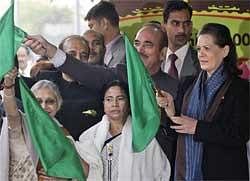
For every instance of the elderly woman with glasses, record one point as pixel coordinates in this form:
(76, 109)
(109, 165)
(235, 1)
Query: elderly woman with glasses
(23, 165)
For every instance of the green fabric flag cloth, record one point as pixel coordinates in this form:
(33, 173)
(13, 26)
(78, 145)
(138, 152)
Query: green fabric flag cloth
(57, 154)
(7, 39)
(144, 109)
(10, 38)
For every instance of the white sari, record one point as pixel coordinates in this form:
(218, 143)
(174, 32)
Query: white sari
(148, 165)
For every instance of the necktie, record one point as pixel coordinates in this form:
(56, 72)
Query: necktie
(172, 71)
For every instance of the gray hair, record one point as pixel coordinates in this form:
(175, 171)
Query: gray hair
(99, 35)
(49, 85)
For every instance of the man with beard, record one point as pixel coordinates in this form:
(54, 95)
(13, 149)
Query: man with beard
(96, 47)
(181, 59)
(149, 42)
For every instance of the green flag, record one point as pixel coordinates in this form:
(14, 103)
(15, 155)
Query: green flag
(10, 38)
(7, 41)
(144, 109)
(57, 154)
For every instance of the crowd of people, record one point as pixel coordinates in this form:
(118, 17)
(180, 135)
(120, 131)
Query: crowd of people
(82, 85)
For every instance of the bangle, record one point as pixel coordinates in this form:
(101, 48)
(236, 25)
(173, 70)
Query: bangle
(5, 95)
(8, 86)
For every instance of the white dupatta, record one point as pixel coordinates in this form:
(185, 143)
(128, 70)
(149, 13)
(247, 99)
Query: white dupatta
(150, 164)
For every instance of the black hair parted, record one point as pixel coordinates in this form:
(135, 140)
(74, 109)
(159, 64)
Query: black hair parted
(123, 85)
(175, 5)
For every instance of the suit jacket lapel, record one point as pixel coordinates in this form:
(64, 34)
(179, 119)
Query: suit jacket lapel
(113, 51)
(190, 63)
(109, 59)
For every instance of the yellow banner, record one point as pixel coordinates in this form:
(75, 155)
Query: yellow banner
(238, 22)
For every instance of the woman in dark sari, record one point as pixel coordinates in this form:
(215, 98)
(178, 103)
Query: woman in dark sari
(211, 113)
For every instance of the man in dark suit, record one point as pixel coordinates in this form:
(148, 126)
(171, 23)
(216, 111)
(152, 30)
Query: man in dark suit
(178, 25)
(104, 19)
(149, 42)
(82, 106)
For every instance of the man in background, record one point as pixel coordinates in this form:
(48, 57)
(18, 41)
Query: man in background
(181, 59)
(25, 62)
(96, 47)
(104, 19)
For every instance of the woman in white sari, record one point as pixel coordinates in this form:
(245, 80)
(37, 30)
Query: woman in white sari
(107, 146)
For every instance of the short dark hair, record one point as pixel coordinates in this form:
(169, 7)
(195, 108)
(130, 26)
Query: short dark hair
(222, 37)
(175, 5)
(155, 22)
(106, 10)
(123, 85)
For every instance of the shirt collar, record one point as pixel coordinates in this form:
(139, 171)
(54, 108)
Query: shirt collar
(180, 53)
(109, 45)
